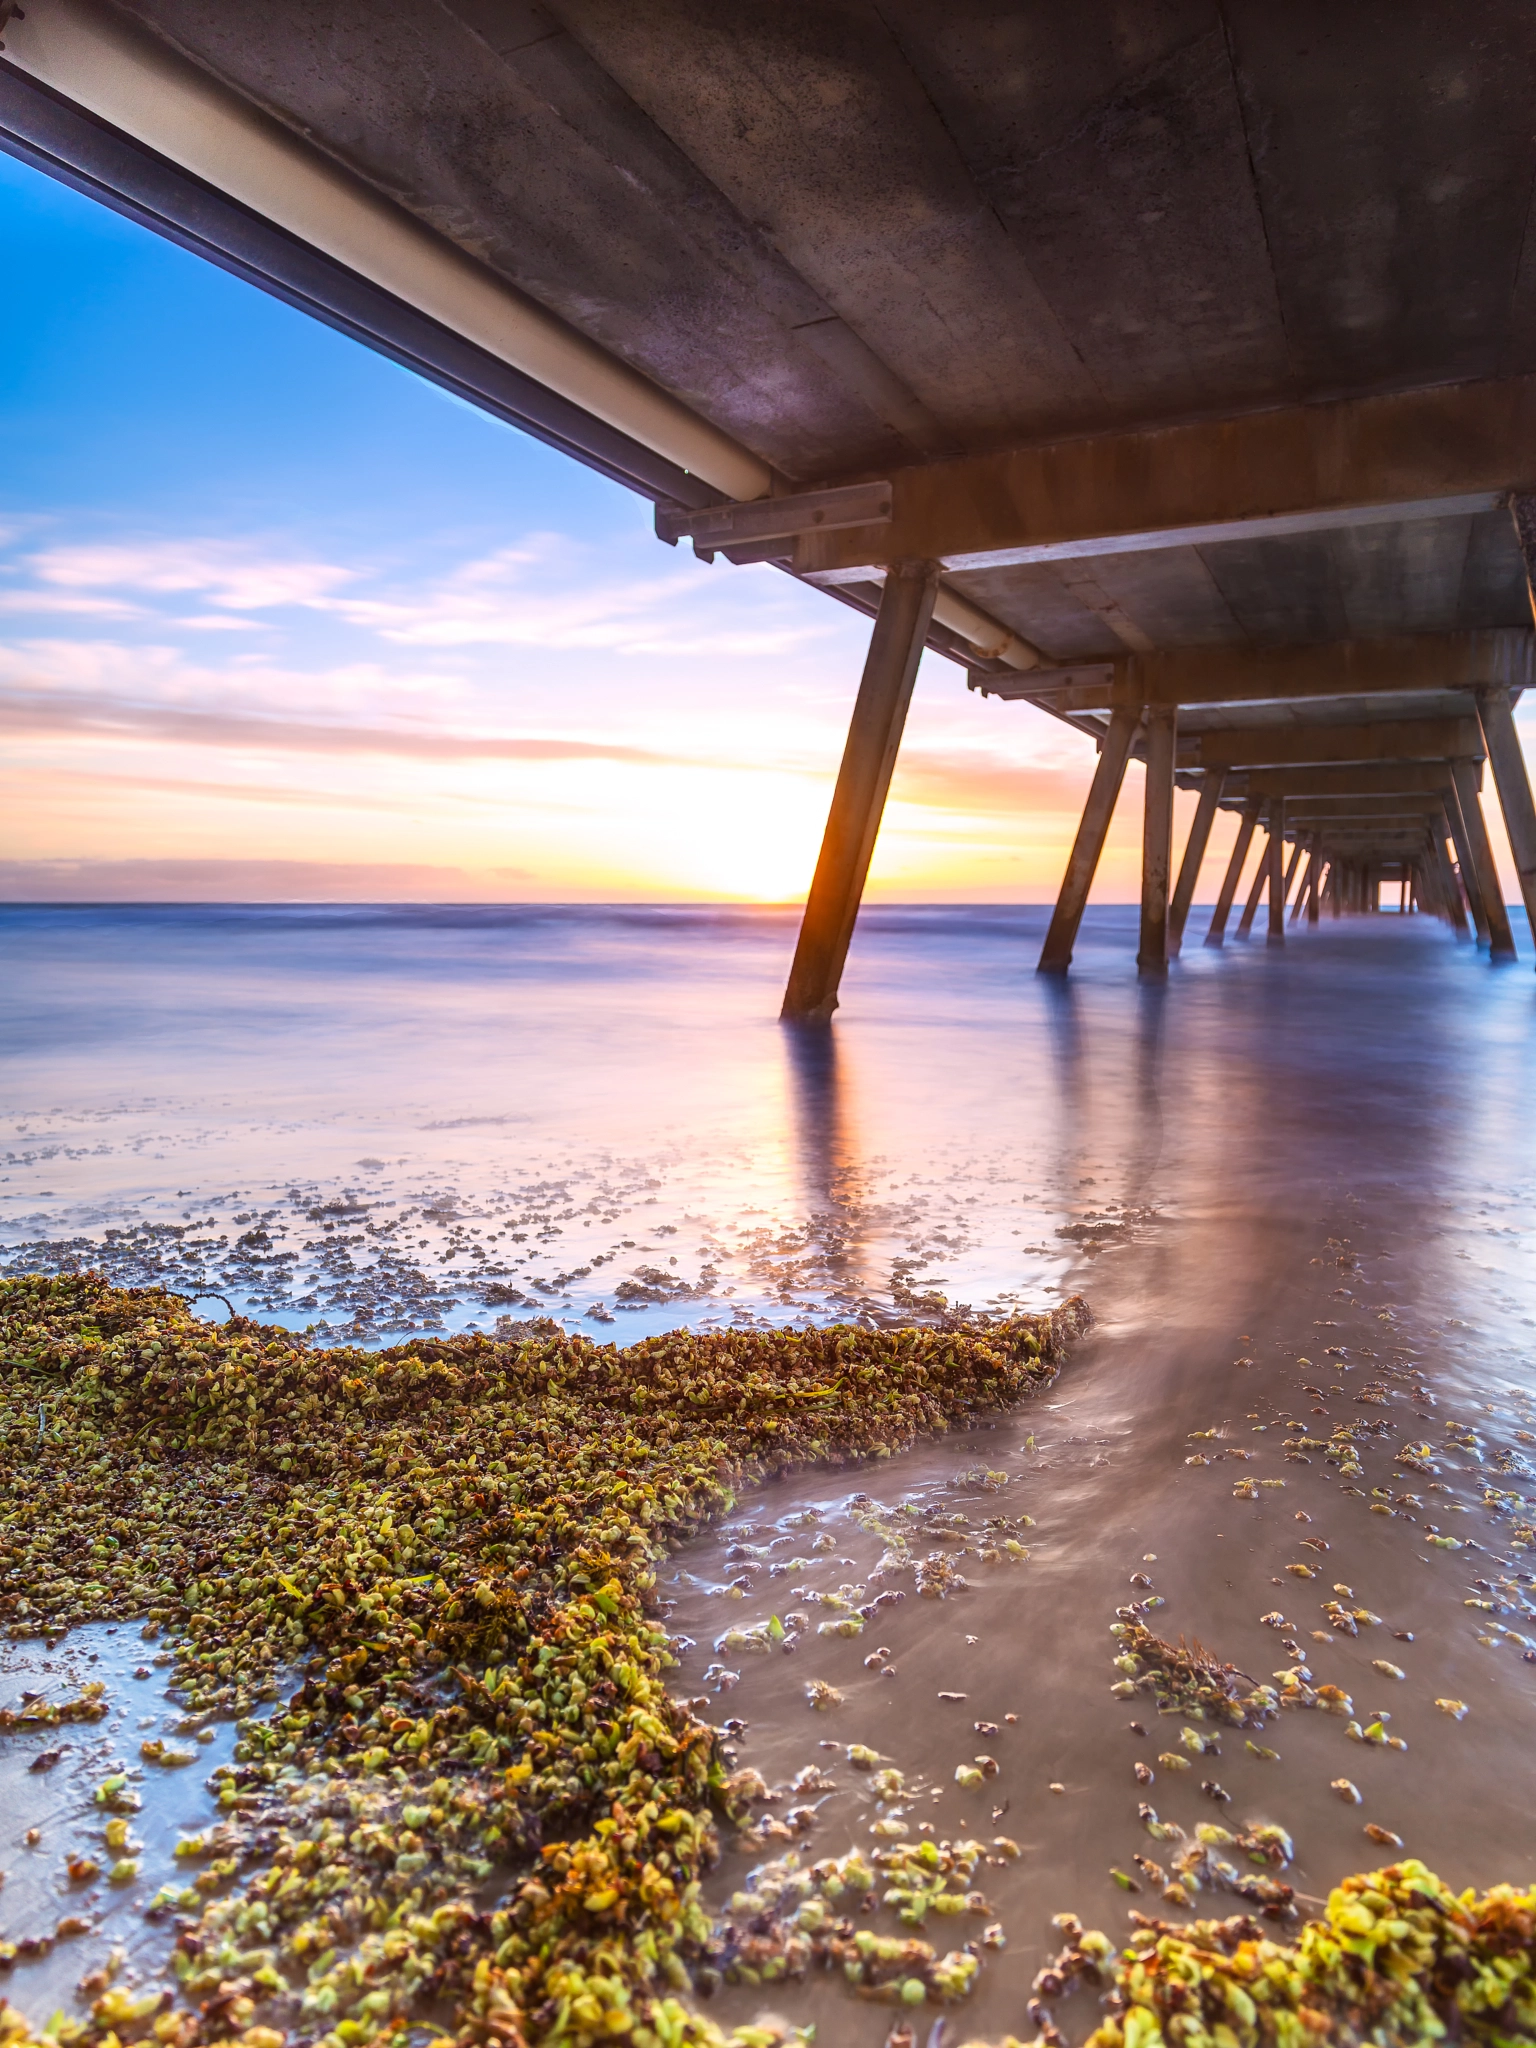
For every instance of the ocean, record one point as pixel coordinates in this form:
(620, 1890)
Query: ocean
(1294, 1186)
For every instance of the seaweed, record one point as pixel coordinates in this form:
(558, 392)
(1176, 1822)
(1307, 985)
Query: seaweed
(1397, 1956)
(1185, 1678)
(451, 1544)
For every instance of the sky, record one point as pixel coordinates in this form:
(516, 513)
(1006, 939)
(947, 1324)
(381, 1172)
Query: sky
(279, 620)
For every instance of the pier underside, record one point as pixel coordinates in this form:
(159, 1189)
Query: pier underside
(1176, 375)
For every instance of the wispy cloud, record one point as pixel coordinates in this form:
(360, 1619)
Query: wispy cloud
(253, 881)
(71, 603)
(538, 597)
(107, 717)
(985, 783)
(235, 574)
(544, 591)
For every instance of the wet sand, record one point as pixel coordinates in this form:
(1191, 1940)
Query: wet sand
(1323, 1156)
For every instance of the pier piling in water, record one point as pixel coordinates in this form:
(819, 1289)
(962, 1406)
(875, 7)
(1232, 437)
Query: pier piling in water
(863, 783)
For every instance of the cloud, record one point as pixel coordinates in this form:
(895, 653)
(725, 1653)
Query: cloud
(73, 603)
(516, 598)
(545, 590)
(102, 716)
(983, 783)
(48, 787)
(253, 881)
(235, 574)
(71, 703)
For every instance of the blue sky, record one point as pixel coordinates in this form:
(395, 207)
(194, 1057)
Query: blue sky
(279, 619)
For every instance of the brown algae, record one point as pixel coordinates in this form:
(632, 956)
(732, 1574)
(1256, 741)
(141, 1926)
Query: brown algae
(480, 1814)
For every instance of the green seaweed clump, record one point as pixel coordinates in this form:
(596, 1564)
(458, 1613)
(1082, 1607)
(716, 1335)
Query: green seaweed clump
(793, 1918)
(1397, 1958)
(479, 1815)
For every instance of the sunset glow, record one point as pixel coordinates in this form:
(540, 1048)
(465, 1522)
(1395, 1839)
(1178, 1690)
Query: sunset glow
(279, 620)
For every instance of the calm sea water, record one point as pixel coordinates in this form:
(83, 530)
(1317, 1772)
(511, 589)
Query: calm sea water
(1295, 1187)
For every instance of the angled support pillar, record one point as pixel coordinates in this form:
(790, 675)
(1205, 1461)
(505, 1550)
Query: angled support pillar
(1450, 894)
(1234, 874)
(1426, 883)
(1056, 953)
(1466, 868)
(1157, 840)
(1501, 940)
(1194, 853)
(1279, 874)
(1260, 877)
(1290, 870)
(1303, 886)
(1430, 884)
(863, 780)
(1513, 784)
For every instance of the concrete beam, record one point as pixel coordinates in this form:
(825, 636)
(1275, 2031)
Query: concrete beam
(1184, 677)
(1358, 836)
(723, 526)
(1451, 450)
(200, 163)
(1408, 739)
(1385, 778)
(1310, 809)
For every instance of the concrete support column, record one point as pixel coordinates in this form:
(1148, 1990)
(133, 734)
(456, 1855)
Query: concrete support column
(1279, 878)
(1260, 877)
(1304, 885)
(1457, 827)
(863, 780)
(1234, 874)
(1157, 840)
(1455, 908)
(1314, 889)
(1513, 784)
(1501, 940)
(1056, 953)
(1194, 853)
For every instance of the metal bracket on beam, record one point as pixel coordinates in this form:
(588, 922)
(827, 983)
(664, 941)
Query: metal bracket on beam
(762, 519)
(1064, 686)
